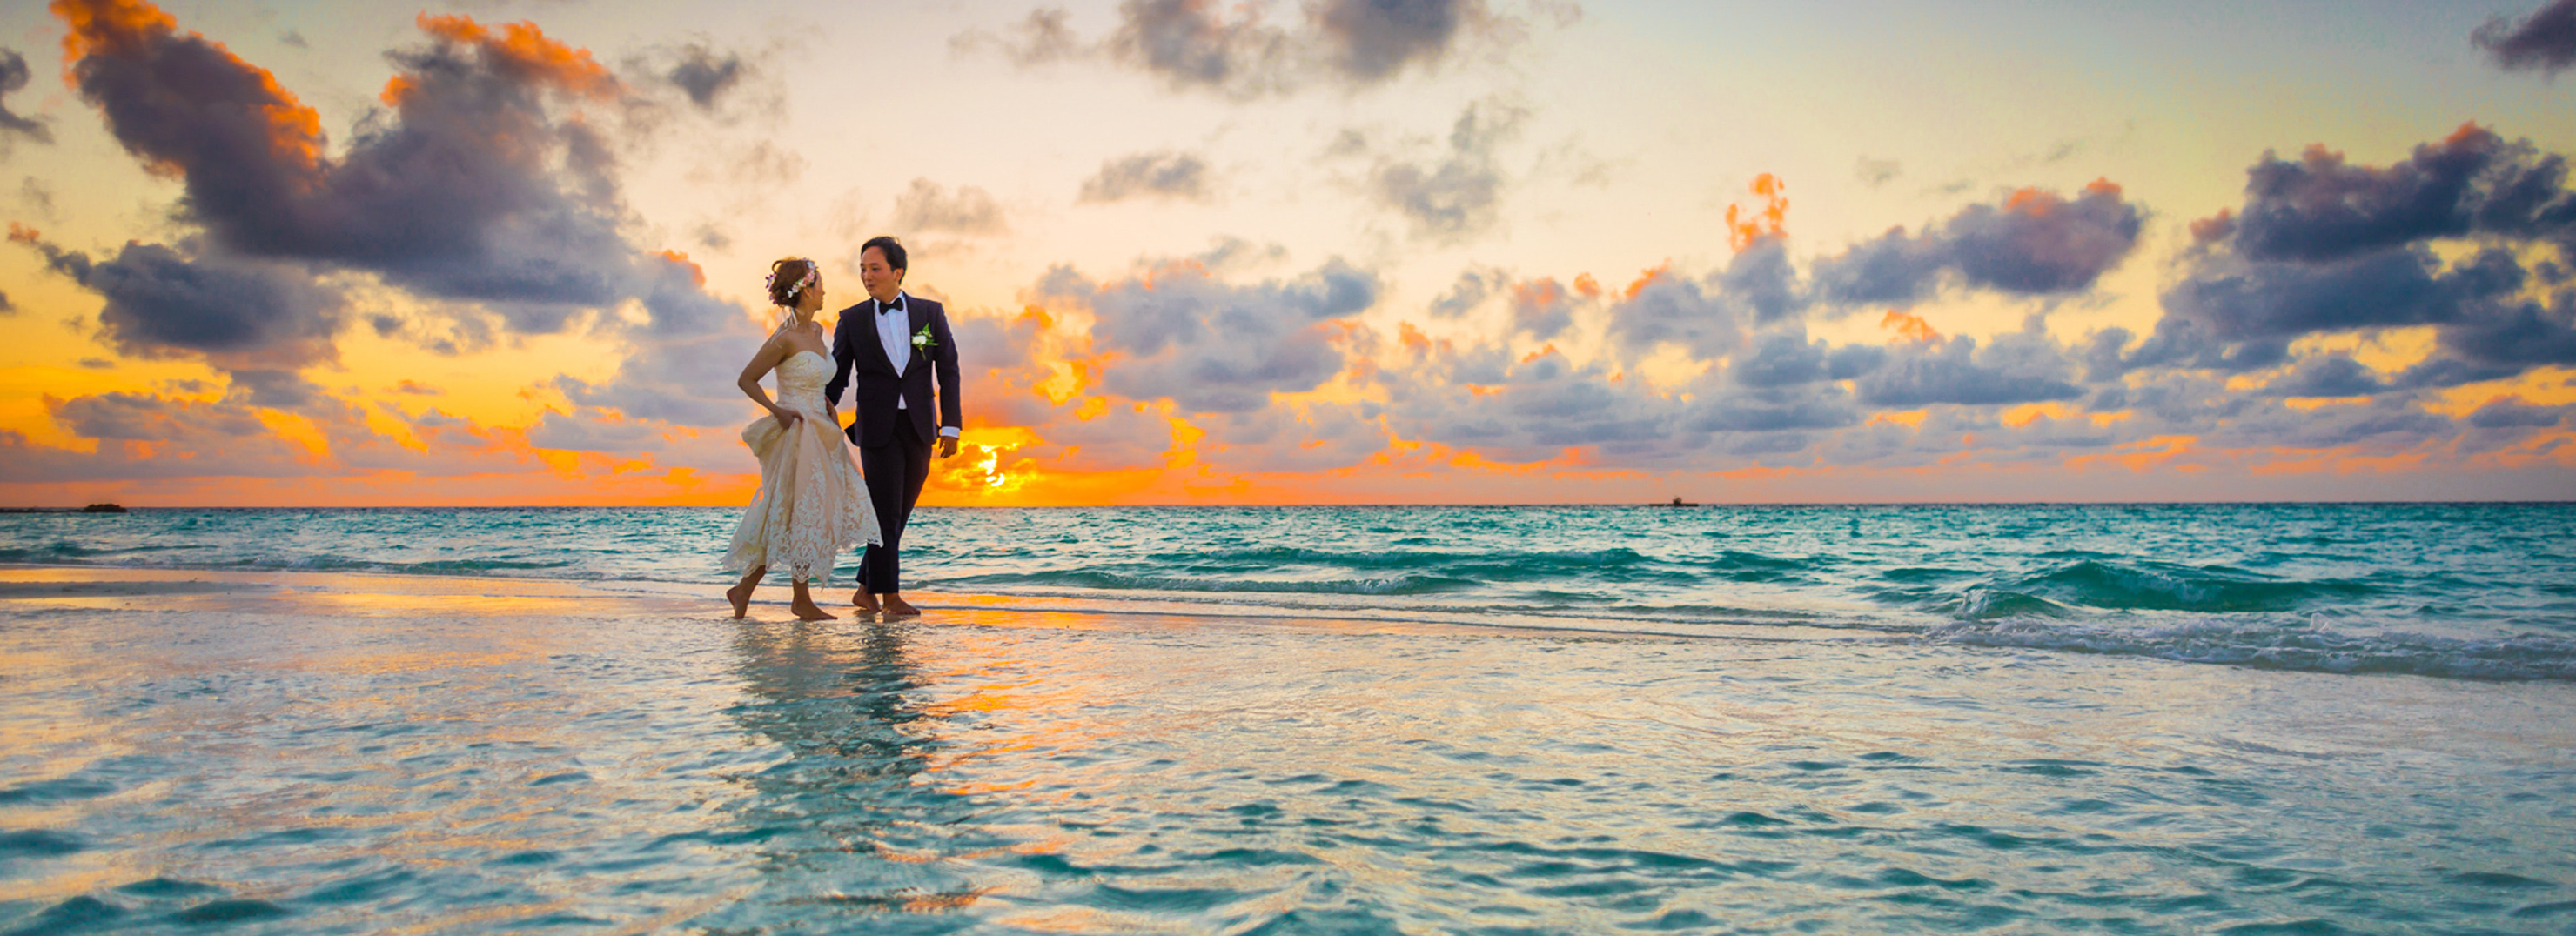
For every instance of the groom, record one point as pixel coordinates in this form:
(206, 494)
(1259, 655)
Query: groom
(886, 351)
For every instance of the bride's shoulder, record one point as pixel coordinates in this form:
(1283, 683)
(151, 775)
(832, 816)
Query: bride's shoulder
(783, 342)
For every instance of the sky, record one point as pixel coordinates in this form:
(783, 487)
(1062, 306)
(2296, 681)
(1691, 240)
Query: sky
(1303, 251)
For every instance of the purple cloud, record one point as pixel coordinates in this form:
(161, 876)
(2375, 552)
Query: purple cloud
(2544, 42)
(2034, 243)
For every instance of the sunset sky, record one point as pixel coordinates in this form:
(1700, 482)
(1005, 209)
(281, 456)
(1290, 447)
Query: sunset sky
(1307, 251)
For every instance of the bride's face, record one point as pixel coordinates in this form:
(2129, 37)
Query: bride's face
(811, 299)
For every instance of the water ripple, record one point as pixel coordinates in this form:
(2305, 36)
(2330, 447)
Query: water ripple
(637, 772)
(2411, 588)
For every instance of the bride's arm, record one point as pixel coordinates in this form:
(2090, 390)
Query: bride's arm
(770, 354)
(840, 373)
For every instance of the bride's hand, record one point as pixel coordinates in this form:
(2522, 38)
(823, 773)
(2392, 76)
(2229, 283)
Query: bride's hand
(786, 417)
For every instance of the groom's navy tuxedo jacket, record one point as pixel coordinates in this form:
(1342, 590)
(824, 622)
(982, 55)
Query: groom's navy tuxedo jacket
(860, 364)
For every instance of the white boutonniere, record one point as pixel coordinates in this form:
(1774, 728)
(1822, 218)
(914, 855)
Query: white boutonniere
(921, 339)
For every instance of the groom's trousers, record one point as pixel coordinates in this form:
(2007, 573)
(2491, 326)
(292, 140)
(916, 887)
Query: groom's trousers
(894, 473)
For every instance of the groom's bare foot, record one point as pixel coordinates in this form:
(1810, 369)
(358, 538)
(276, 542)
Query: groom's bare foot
(866, 602)
(896, 607)
(806, 611)
(740, 595)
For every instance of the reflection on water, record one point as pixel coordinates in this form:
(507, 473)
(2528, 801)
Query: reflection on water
(566, 765)
(2477, 591)
(848, 822)
(291, 772)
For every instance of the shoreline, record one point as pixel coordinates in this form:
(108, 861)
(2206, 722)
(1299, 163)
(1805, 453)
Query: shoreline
(327, 593)
(2468, 592)
(353, 752)
(1376, 505)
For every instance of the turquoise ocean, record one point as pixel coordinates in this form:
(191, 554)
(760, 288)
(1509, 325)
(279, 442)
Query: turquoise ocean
(2455, 590)
(2232, 718)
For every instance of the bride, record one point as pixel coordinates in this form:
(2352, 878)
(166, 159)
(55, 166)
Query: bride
(811, 504)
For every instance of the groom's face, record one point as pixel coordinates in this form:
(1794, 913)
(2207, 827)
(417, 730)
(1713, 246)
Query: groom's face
(881, 280)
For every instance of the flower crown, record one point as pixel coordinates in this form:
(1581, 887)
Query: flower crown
(771, 282)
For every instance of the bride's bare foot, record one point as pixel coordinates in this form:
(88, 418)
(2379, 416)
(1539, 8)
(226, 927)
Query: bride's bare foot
(866, 602)
(740, 593)
(896, 607)
(804, 606)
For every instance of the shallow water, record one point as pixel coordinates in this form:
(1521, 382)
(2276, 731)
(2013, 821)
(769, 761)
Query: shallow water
(2481, 591)
(333, 753)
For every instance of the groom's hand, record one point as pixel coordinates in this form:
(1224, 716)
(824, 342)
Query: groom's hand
(947, 446)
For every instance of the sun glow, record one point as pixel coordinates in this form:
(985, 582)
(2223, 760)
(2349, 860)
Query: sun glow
(985, 470)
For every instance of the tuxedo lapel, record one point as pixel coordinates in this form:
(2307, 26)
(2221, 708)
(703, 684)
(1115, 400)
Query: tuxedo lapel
(911, 325)
(876, 339)
(856, 337)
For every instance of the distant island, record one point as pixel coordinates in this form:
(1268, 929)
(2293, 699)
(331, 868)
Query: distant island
(93, 508)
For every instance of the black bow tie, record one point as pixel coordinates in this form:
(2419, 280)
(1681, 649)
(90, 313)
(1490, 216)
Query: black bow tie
(895, 306)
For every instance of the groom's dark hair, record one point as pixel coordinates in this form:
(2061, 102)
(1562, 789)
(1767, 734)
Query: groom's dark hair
(886, 244)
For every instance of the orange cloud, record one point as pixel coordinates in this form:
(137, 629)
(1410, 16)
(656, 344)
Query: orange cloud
(2035, 203)
(299, 430)
(1412, 338)
(2215, 227)
(137, 29)
(388, 487)
(1647, 278)
(523, 49)
(2546, 448)
(2345, 461)
(1185, 442)
(1429, 459)
(1743, 227)
(992, 468)
(113, 27)
(2144, 454)
(697, 274)
(1538, 292)
(2028, 413)
(1909, 327)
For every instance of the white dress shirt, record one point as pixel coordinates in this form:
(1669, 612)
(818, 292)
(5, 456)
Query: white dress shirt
(892, 330)
(893, 323)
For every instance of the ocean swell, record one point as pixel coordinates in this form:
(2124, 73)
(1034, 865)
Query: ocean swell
(2151, 585)
(1098, 580)
(2484, 591)
(2269, 643)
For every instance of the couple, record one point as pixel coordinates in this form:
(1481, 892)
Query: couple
(810, 504)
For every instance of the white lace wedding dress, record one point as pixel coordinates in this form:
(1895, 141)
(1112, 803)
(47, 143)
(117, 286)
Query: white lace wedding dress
(811, 503)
